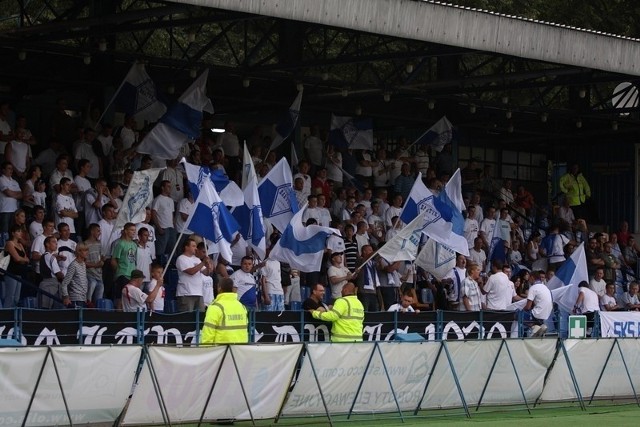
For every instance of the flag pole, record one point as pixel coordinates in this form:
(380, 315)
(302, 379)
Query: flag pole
(173, 251)
(115, 94)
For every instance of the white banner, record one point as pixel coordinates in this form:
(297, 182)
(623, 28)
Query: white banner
(620, 324)
(185, 377)
(587, 359)
(266, 372)
(20, 368)
(95, 380)
(407, 364)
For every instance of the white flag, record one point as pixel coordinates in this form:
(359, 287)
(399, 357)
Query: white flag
(139, 196)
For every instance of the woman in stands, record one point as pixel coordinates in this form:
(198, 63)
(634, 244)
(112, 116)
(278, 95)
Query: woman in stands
(18, 266)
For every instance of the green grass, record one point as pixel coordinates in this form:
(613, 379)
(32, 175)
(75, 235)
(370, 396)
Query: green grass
(599, 413)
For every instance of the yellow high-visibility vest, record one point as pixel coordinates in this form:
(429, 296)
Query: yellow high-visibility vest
(226, 321)
(347, 317)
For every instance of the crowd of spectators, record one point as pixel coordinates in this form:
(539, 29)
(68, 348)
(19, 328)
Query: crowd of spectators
(58, 210)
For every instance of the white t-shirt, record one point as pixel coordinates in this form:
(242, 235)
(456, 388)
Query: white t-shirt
(35, 229)
(590, 302)
(542, 301)
(158, 303)
(164, 207)
(471, 229)
(92, 214)
(144, 258)
(8, 204)
(336, 288)
(398, 307)
(133, 299)
(85, 151)
(65, 202)
(243, 281)
(271, 273)
(207, 289)
(499, 291)
(66, 248)
(20, 152)
(188, 284)
(184, 207)
(598, 286)
(83, 186)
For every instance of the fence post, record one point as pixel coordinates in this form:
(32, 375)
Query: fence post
(80, 323)
(439, 326)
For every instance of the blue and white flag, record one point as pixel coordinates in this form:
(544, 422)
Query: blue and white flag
(404, 245)
(302, 247)
(287, 125)
(438, 135)
(347, 132)
(436, 258)
(497, 251)
(443, 220)
(248, 168)
(139, 196)
(564, 285)
(228, 190)
(211, 219)
(249, 216)
(277, 197)
(181, 122)
(137, 95)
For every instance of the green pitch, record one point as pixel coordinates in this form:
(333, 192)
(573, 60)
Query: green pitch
(597, 414)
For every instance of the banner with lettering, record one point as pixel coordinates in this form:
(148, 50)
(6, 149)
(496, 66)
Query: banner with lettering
(63, 327)
(620, 324)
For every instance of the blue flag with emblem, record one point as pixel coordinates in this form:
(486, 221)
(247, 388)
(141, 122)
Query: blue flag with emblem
(249, 216)
(180, 123)
(302, 247)
(286, 126)
(211, 219)
(137, 95)
(277, 197)
(442, 212)
(347, 132)
(438, 135)
(229, 191)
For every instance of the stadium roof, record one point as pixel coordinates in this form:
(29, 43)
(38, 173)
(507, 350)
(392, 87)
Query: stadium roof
(404, 62)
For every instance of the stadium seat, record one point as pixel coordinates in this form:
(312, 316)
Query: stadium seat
(295, 305)
(30, 302)
(104, 304)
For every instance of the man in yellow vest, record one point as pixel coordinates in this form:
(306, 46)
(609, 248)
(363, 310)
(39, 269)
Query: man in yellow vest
(346, 315)
(576, 190)
(226, 320)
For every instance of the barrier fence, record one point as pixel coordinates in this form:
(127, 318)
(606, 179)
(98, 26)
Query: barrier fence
(90, 326)
(54, 385)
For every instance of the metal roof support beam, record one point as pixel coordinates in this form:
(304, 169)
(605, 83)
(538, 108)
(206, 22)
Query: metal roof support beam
(455, 26)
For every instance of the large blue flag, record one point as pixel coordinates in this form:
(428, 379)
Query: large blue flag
(302, 247)
(181, 122)
(443, 220)
(287, 125)
(347, 132)
(438, 135)
(277, 197)
(137, 95)
(249, 216)
(228, 190)
(211, 219)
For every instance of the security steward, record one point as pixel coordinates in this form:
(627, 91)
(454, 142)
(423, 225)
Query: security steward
(226, 320)
(346, 315)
